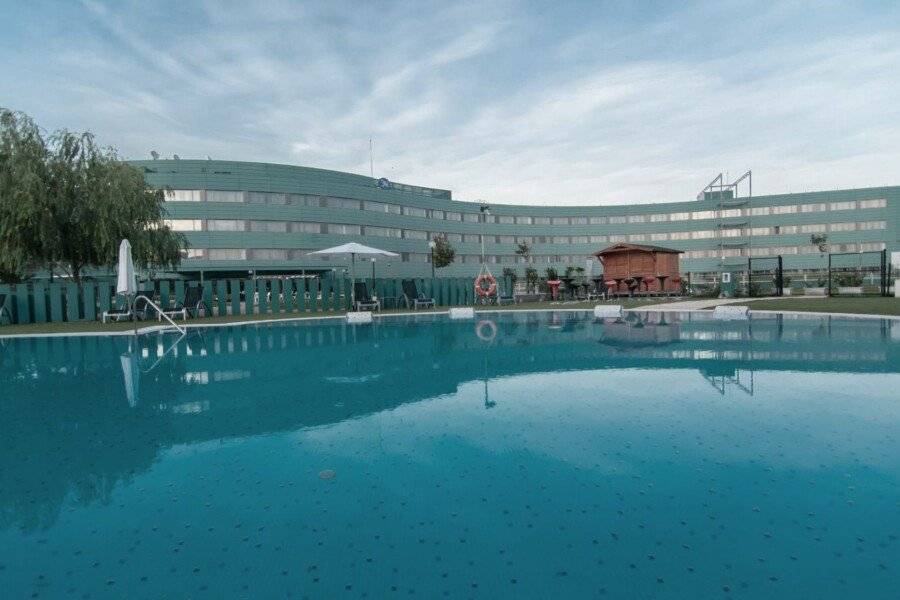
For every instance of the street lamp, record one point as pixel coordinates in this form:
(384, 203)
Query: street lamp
(431, 246)
(373, 271)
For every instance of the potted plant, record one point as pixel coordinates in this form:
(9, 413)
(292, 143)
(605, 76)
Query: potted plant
(785, 285)
(818, 289)
(850, 283)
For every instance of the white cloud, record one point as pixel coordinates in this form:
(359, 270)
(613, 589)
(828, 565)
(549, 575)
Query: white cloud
(495, 102)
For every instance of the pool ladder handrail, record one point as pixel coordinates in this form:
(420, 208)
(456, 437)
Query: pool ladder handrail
(159, 311)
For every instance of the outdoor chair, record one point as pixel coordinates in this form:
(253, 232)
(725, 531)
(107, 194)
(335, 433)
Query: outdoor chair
(119, 313)
(363, 301)
(193, 300)
(505, 298)
(4, 310)
(413, 297)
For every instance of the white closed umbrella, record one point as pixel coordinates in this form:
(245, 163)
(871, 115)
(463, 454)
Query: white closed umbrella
(126, 280)
(353, 249)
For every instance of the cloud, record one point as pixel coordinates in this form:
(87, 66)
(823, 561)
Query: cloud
(582, 105)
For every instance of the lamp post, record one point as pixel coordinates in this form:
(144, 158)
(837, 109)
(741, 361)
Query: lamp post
(431, 246)
(373, 271)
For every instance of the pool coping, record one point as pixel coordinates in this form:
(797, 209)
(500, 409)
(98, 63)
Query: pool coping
(492, 311)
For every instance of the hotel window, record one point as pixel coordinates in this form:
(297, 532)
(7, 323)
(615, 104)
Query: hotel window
(560, 239)
(848, 205)
(784, 210)
(269, 226)
(579, 220)
(759, 251)
(506, 219)
(817, 228)
(760, 211)
(184, 196)
(374, 206)
(599, 239)
(344, 229)
(871, 247)
(727, 233)
(193, 253)
(732, 252)
(184, 224)
(703, 234)
(761, 231)
(559, 221)
(541, 220)
(383, 231)
(219, 196)
(453, 237)
(579, 239)
(506, 239)
(471, 217)
(617, 220)
(776, 250)
(842, 227)
(225, 225)
(866, 225)
(540, 239)
(412, 234)
(226, 254)
(659, 218)
(617, 238)
(818, 207)
(679, 216)
(731, 212)
(880, 203)
(785, 229)
(598, 220)
(658, 237)
(523, 220)
(298, 227)
(703, 214)
(637, 219)
(637, 237)
(680, 235)
(268, 254)
(471, 238)
(413, 211)
(452, 216)
(343, 203)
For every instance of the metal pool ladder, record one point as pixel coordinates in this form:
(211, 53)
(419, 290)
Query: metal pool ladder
(160, 312)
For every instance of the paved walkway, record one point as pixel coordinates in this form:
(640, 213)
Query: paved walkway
(708, 303)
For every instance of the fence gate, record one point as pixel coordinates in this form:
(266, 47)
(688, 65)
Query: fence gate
(765, 276)
(858, 273)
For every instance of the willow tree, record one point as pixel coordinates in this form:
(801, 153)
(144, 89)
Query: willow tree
(23, 194)
(78, 201)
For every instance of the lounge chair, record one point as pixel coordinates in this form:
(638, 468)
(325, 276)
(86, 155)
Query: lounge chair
(118, 313)
(413, 297)
(4, 310)
(362, 299)
(507, 298)
(193, 300)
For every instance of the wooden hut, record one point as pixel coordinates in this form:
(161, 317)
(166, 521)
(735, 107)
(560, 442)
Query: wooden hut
(636, 268)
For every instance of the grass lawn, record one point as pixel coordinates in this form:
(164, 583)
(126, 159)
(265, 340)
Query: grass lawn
(97, 327)
(860, 306)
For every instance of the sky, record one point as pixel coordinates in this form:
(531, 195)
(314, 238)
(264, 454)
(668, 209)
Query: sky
(543, 103)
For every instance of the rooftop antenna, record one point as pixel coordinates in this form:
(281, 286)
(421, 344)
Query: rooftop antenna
(154, 154)
(371, 160)
(176, 157)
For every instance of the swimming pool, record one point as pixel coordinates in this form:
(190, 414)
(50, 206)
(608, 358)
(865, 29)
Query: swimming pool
(533, 455)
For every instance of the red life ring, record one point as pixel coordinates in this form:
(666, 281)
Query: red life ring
(491, 288)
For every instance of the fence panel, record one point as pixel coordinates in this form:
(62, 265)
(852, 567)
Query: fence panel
(288, 290)
(104, 293)
(222, 296)
(234, 297)
(165, 295)
(40, 303)
(249, 297)
(90, 302)
(73, 312)
(56, 302)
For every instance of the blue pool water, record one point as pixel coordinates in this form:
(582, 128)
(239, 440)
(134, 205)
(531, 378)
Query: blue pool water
(551, 456)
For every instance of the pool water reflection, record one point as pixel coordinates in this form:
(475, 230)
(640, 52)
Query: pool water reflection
(661, 455)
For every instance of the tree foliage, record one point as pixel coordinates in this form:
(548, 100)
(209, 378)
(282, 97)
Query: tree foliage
(66, 203)
(444, 252)
(820, 240)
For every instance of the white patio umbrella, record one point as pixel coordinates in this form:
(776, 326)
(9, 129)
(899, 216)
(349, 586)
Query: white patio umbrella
(353, 249)
(126, 281)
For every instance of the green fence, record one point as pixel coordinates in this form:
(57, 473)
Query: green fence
(44, 302)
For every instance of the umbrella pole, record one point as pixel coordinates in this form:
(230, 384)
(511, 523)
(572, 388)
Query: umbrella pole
(352, 280)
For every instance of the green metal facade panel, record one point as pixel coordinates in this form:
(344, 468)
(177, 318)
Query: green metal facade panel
(259, 177)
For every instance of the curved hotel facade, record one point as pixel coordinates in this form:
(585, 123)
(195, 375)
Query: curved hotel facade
(243, 217)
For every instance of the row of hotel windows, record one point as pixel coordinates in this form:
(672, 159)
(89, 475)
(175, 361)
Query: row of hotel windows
(419, 257)
(478, 217)
(393, 232)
